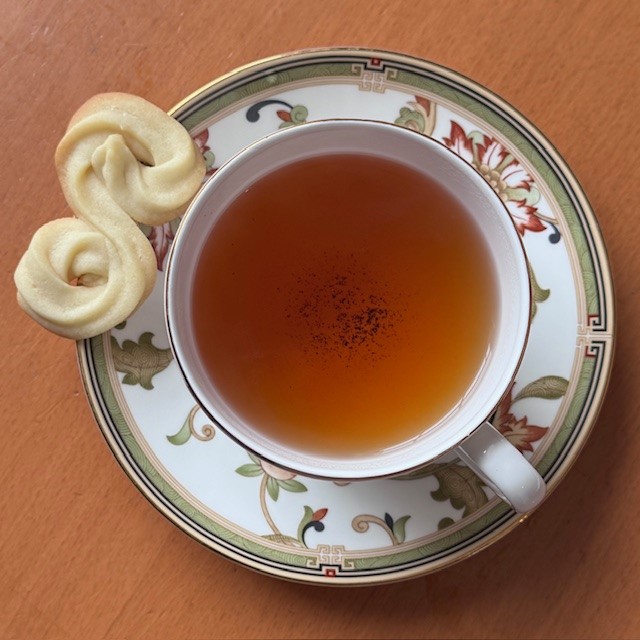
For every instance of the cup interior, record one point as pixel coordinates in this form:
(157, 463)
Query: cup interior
(405, 147)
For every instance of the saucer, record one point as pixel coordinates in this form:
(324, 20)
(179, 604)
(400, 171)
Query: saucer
(374, 531)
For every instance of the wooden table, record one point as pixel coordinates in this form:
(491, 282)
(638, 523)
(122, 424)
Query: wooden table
(83, 555)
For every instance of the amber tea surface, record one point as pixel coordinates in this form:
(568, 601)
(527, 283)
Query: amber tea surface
(344, 303)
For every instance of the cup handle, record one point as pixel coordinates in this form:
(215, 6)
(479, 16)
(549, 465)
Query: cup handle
(498, 463)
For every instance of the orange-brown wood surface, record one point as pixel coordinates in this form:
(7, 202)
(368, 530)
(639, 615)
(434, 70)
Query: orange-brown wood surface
(83, 554)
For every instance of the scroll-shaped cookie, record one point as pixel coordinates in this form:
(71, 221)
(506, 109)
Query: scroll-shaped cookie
(121, 160)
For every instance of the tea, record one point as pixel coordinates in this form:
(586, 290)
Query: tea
(344, 303)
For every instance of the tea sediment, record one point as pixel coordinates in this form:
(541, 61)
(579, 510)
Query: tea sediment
(344, 303)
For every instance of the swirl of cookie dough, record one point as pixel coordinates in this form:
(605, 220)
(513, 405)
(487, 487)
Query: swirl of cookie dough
(121, 161)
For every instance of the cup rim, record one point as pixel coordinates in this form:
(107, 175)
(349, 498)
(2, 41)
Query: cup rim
(191, 212)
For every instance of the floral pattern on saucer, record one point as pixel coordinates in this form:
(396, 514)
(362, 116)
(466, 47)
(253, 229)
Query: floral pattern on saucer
(383, 530)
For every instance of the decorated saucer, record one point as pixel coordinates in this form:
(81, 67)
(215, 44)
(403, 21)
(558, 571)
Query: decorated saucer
(376, 531)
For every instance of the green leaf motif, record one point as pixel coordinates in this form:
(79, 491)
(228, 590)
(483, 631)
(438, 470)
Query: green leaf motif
(182, 436)
(273, 488)
(529, 195)
(140, 361)
(461, 486)
(249, 470)
(546, 387)
(292, 485)
(476, 137)
(209, 159)
(445, 522)
(299, 114)
(411, 119)
(306, 519)
(399, 528)
(537, 292)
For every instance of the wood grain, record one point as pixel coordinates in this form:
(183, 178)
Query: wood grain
(83, 555)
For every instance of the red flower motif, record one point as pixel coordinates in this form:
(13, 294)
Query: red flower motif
(524, 216)
(459, 142)
(502, 171)
(517, 431)
(201, 141)
(160, 239)
(319, 514)
(425, 104)
(276, 472)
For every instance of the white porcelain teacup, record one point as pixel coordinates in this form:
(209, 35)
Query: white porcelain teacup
(465, 428)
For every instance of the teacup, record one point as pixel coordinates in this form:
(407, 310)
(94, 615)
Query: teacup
(207, 231)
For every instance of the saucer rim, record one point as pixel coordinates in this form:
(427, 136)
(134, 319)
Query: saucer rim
(502, 526)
